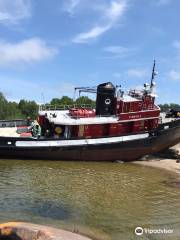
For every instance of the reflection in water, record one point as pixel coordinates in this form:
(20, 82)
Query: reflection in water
(106, 200)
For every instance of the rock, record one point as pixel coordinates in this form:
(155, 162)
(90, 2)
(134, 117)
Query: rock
(119, 161)
(28, 231)
(168, 153)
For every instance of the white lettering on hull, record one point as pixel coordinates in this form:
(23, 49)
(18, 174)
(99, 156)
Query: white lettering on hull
(62, 143)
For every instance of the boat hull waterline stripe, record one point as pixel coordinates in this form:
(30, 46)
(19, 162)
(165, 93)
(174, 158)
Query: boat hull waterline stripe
(61, 143)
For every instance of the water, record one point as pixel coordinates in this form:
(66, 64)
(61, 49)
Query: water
(103, 200)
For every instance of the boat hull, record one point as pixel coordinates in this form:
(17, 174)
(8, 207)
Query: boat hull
(164, 137)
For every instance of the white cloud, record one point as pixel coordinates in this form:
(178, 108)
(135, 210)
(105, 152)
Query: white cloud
(93, 33)
(163, 2)
(110, 14)
(12, 11)
(138, 73)
(174, 75)
(116, 10)
(27, 51)
(119, 51)
(176, 44)
(70, 6)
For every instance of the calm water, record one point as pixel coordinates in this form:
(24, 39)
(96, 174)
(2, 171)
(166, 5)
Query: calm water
(105, 200)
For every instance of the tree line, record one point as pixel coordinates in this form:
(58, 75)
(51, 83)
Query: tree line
(23, 109)
(13, 110)
(165, 107)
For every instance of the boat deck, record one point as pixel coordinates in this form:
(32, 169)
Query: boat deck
(12, 131)
(166, 120)
(9, 132)
(63, 117)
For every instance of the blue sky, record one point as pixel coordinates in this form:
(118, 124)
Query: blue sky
(49, 47)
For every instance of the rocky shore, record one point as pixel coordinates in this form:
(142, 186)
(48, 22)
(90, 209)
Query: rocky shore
(168, 159)
(29, 231)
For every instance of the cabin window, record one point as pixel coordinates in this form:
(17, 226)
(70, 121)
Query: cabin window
(12, 124)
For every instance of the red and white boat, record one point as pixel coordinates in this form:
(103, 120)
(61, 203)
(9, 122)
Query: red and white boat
(122, 126)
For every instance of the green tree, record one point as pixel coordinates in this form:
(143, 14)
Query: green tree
(28, 108)
(55, 101)
(3, 106)
(165, 107)
(2, 98)
(174, 105)
(13, 111)
(65, 100)
(85, 100)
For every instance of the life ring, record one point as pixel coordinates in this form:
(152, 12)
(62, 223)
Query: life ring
(108, 101)
(58, 130)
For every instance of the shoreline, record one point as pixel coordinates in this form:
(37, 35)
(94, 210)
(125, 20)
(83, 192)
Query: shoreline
(167, 163)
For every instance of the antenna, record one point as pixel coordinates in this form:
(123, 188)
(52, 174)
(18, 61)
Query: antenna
(154, 73)
(152, 90)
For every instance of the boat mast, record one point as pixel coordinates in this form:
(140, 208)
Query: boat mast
(154, 73)
(153, 84)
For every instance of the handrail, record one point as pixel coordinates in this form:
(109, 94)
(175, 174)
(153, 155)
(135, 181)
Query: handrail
(48, 107)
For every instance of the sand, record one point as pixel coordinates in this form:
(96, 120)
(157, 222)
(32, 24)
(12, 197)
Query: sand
(167, 163)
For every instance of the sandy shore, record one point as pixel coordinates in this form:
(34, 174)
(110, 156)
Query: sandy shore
(167, 163)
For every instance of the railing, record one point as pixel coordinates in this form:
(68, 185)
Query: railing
(48, 107)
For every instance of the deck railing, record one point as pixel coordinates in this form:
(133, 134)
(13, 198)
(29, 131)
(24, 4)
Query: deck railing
(47, 107)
